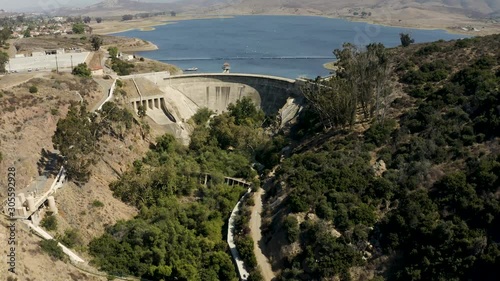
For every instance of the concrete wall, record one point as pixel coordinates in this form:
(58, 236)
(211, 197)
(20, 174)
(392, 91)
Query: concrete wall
(217, 91)
(46, 62)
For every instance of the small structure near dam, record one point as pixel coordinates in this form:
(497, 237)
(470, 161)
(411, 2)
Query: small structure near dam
(170, 101)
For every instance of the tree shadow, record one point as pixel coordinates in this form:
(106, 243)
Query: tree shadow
(49, 163)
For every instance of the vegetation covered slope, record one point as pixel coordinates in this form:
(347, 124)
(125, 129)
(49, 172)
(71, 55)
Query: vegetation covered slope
(395, 176)
(179, 233)
(433, 212)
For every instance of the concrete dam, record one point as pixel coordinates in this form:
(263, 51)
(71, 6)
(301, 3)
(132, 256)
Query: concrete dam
(170, 101)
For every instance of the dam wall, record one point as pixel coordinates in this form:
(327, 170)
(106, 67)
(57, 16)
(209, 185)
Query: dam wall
(217, 91)
(170, 101)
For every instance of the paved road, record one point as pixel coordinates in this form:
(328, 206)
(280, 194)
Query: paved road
(256, 232)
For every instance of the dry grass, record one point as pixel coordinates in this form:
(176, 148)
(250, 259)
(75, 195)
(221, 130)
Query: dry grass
(148, 65)
(27, 123)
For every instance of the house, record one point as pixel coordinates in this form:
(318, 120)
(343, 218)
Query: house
(97, 71)
(126, 57)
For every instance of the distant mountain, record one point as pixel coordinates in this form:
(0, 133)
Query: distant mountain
(474, 8)
(469, 8)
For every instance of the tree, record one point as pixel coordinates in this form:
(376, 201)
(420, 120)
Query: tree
(333, 101)
(113, 52)
(78, 28)
(127, 17)
(406, 39)
(173, 13)
(112, 118)
(246, 113)
(82, 70)
(96, 42)
(98, 19)
(76, 138)
(86, 19)
(141, 111)
(5, 34)
(4, 58)
(367, 73)
(27, 33)
(202, 116)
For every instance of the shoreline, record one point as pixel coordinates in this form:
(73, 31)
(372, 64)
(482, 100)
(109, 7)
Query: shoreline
(140, 28)
(151, 25)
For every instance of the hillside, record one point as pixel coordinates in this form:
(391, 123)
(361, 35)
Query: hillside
(469, 7)
(474, 8)
(413, 197)
(28, 124)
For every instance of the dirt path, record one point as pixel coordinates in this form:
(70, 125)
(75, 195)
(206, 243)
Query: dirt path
(255, 224)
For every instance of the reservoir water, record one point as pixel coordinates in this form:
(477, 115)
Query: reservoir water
(287, 46)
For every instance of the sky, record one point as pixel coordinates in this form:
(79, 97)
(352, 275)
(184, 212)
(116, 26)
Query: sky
(43, 5)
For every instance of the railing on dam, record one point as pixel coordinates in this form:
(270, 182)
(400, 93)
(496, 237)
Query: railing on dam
(242, 75)
(205, 179)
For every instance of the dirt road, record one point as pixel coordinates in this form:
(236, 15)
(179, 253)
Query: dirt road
(255, 224)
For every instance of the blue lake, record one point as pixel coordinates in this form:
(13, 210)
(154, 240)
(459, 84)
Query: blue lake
(287, 46)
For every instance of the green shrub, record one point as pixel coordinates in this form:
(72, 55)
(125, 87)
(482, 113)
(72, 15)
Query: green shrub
(51, 247)
(121, 67)
(33, 89)
(380, 133)
(49, 222)
(82, 70)
(427, 50)
(413, 77)
(78, 28)
(291, 226)
(250, 202)
(71, 238)
(255, 275)
(97, 203)
(245, 248)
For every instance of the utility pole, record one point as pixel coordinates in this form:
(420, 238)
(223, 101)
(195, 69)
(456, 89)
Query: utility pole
(57, 65)
(71, 62)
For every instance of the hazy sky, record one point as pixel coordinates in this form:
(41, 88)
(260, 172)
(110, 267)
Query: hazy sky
(41, 5)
